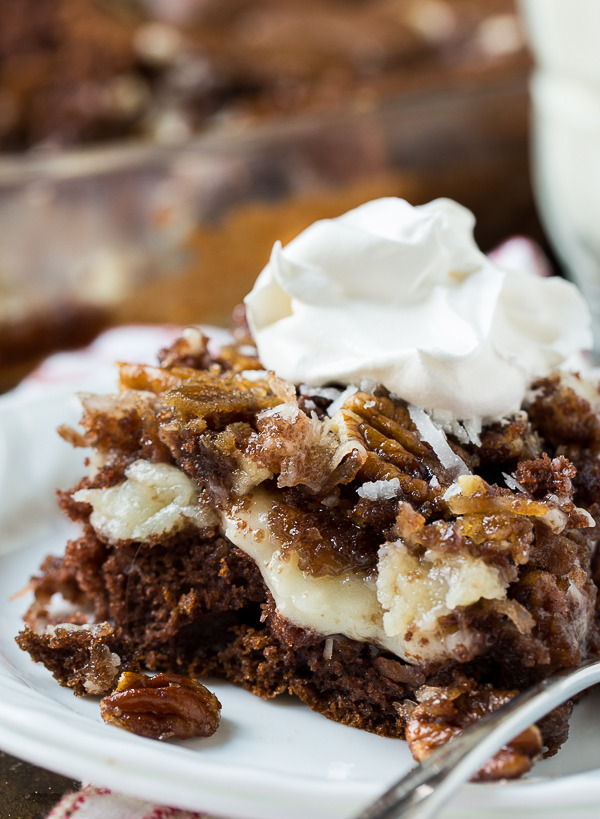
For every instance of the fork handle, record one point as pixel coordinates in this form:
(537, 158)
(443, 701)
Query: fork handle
(422, 792)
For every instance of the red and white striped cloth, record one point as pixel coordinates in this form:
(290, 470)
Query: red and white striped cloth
(100, 803)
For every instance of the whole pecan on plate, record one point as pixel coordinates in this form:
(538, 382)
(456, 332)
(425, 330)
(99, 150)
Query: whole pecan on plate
(165, 706)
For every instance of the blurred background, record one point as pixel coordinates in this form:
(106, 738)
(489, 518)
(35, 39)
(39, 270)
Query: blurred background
(151, 151)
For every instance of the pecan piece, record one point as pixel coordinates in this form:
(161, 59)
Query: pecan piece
(444, 712)
(162, 707)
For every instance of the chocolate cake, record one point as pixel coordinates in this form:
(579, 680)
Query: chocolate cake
(397, 568)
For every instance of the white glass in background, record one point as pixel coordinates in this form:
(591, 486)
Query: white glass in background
(565, 90)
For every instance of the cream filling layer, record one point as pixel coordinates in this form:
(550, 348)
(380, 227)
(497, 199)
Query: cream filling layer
(399, 608)
(153, 500)
(344, 604)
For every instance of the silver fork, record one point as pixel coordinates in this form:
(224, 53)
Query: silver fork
(422, 792)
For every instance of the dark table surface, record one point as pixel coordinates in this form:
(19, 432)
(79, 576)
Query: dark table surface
(29, 792)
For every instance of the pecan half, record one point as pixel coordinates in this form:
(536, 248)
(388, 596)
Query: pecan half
(162, 707)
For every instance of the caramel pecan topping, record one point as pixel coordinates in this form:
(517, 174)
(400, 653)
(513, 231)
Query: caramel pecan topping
(393, 447)
(192, 349)
(479, 498)
(162, 707)
(443, 713)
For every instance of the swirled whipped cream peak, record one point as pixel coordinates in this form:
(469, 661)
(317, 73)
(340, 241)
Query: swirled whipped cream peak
(403, 295)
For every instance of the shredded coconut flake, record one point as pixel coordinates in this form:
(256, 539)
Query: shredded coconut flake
(473, 428)
(379, 490)
(341, 400)
(466, 431)
(328, 393)
(328, 649)
(436, 437)
(512, 483)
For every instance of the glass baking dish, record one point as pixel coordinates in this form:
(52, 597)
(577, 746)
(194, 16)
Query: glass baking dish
(140, 233)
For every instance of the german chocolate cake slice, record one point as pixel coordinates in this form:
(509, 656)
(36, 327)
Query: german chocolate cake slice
(382, 497)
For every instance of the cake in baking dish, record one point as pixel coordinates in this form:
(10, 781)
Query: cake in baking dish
(80, 72)
(91, 89)
(381, 497)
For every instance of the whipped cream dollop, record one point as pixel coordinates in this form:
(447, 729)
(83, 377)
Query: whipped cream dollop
(404, 296)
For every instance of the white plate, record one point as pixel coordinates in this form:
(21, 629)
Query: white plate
(269, 760)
